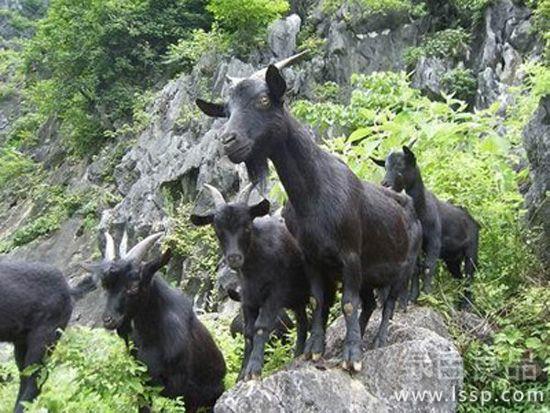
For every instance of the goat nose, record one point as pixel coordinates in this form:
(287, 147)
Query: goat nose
(234, 260)
(229, 137)
(107, 319)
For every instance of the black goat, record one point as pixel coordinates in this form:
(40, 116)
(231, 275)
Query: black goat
(35, 303)
(448, 232)
(270, 264)
(169, 339)
(345, 227)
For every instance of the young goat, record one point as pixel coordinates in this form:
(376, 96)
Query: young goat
(35, 303)
(270, 264)
(448, 232)
(346, 228)
(177, 349)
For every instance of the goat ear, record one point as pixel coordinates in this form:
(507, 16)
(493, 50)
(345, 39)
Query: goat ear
(378, 162)
(409, 155)
(201, 220)
(260, 209)
(150, 268)
(214, 110)
(275, 82)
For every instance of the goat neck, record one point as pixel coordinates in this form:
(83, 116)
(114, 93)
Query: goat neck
(299, 164)
(417, 192)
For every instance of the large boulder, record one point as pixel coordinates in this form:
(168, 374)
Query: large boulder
(419, 359)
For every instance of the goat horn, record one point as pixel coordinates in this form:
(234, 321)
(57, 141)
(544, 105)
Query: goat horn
(412, 143)
(138, 251)
(123, 247)
(216, 195)
(245, 193)
(110, 253)
(281, 64)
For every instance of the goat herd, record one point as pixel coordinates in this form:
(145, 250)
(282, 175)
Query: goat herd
(335, 228)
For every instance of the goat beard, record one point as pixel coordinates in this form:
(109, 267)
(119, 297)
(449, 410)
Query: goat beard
(257, 173)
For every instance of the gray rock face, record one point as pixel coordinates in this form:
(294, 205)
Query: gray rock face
(282, 36)
(507, 39)
(536, 139)
(428, 73)
(419, 358)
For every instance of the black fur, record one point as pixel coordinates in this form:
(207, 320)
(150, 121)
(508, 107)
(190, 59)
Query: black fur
(449, 232)
(169, 339)
(35, 303)
(272, 277)
(346, 228)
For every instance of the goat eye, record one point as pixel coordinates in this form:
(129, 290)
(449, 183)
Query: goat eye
(264, 101)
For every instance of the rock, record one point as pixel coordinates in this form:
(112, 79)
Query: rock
(419, 357)
(536, 140)
(281, 36)
(428, 73)
(305, 389)
(505, 39)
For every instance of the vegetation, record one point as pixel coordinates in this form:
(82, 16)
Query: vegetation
(461, 83)
(371, 7)
(448, 43)
(91, 370)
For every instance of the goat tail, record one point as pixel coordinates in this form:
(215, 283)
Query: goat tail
(85, 286)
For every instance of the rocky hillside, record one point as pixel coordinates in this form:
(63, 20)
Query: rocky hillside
(151, 163)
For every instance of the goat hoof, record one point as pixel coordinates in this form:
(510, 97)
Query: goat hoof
(357, 366)
(316, 356)
(345, 365)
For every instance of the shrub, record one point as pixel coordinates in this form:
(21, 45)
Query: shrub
(91, 370)
(13, 164)
(370, 7)
(188, 51)
(461, 82)
(246, 20)
(449, 43)
(89, 59)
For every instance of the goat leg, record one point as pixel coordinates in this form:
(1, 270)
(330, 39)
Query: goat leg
(351, 303)
(387, 314)
(315, 345)
(264, 325)
(369, 305)
(433, 249)
(301, 327)
(249, 318)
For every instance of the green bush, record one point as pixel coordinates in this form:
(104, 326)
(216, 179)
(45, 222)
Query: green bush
(460, 82)
(88, 60)
(448, 43)
(370, 7)
(246, 20)
(13, 164)
(188, 51)
(90, 370)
